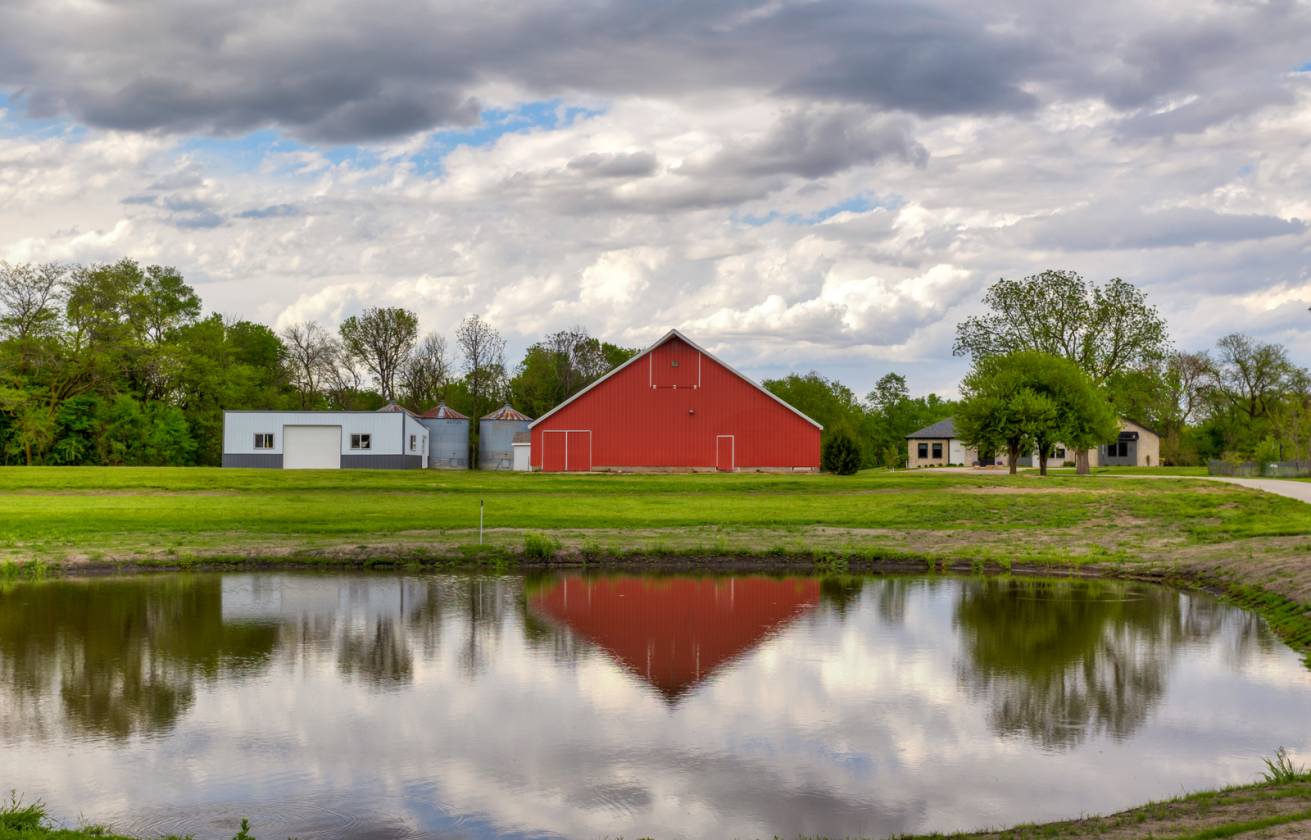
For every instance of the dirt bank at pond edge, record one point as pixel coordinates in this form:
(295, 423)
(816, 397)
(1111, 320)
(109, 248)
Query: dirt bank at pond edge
(1271, 577)
(1265, 811)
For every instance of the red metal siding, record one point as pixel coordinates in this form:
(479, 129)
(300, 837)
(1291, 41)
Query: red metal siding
(639, 420)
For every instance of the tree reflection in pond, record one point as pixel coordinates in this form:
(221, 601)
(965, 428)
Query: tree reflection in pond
(1061, 660)
(123, 655)
(576, 705)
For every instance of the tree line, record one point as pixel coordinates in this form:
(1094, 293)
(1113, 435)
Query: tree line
(116, 364)
(1057, 359)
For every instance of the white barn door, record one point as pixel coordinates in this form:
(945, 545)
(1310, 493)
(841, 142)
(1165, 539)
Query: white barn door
(311, 447)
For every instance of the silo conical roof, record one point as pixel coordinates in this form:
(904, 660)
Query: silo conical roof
(507, 412)
(442, 411)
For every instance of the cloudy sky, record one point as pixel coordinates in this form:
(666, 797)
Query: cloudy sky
(814, 184)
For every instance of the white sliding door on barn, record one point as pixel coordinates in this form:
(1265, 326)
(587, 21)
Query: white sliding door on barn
(311, 447)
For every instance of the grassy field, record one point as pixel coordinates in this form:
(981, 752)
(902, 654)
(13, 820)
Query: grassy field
(1254, 546)
(70, 513)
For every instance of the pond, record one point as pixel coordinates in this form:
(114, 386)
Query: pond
(389, 706)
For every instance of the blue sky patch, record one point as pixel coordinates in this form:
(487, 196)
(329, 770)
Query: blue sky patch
(545, 115)
(16, 123)
(247, 152)
(861, 203)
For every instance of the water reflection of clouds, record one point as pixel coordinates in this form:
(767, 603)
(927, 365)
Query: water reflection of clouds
(861, 717)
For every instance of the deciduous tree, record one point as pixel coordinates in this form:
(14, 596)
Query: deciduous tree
(380, 339)
(427, 372)
(311, 355)
(1105, 329)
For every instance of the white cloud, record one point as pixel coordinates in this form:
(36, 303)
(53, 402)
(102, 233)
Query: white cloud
(719, 206)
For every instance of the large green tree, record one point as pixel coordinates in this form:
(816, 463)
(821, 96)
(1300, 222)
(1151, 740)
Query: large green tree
(112, 364)
(1030, 399)
(1105, 329)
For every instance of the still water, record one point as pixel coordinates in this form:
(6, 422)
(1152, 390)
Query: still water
(379, 706)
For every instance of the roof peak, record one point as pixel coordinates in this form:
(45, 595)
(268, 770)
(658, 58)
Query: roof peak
(674, 332)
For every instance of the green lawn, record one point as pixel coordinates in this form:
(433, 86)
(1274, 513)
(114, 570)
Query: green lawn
(50, 512)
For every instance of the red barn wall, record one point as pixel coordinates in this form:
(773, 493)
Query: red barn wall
(655, 414)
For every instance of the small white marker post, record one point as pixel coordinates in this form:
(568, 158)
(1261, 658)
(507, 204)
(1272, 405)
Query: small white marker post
(480, 522)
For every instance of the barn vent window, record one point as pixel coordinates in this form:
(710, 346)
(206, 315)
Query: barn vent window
(361, 441)
(264, 440)
(673, 363)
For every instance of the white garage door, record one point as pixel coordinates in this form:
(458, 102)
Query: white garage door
(311, 447)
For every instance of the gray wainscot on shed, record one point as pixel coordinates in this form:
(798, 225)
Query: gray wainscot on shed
(496, 433)
(390, 438)
(448, 438)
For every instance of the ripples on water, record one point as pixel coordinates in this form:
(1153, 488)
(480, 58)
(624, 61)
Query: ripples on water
(390, 706)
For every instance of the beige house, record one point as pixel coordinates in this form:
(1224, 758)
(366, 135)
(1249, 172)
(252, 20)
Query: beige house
(938, 446)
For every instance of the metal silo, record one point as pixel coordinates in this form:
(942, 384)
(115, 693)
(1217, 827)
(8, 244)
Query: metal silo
(448, 438)
(496, 434)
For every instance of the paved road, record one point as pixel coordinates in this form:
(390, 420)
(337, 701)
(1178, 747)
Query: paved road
(1300, 490)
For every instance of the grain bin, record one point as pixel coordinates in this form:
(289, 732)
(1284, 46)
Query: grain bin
(496, 434)
(448, 438)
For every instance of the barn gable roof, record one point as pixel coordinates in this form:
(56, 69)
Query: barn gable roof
(672, 334)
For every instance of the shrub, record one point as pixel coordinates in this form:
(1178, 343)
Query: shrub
(540, 546)
(840, 454)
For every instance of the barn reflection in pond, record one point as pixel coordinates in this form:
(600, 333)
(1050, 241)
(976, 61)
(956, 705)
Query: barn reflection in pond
(674, 633)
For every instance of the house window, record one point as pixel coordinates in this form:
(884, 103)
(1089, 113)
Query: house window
(937, 451)
(264, 440)
(414, 442)
(1059, 453)
(924, 450)
(361, 441)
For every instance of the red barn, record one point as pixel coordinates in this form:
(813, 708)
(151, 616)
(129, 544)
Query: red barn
(674, 406)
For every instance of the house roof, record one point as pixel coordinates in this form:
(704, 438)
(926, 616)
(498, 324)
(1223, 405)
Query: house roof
(672, 334)
(1140, 424)
(442, 411)
(944, 429)
(506, 412)
(940, 430)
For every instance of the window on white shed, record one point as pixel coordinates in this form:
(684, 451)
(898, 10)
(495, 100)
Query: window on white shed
(414, 442)
(264, 440)
(361, 441)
